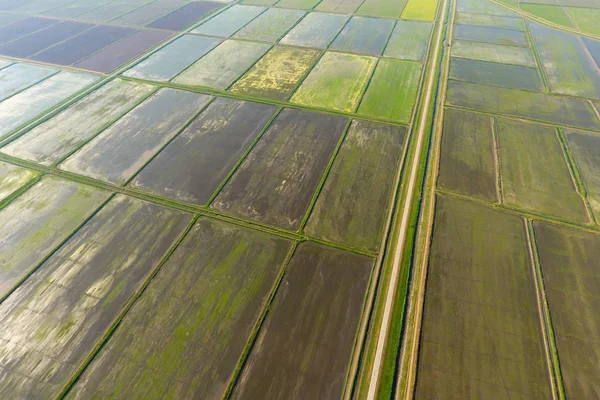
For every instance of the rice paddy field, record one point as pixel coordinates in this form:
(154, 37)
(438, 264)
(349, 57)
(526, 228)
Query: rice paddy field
(299, 199)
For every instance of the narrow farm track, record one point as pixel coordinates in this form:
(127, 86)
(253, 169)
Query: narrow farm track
(412, 344)
(406, 211)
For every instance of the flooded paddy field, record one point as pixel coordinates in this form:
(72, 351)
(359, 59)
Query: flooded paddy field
(299, 199)
(510, 289)
(188, 186)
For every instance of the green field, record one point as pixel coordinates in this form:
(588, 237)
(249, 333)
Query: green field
(299, 199)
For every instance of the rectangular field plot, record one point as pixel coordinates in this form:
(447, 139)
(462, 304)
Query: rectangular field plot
(149, 13)
(467, 163)
(223, 65)
(409, 40)
(270, 25)
(119, 53)
(276, 182)
(18, 77)
(482, 7)
(33, 101)
(491, 35)
(112, 10)
(493, 52)
(277, 74)
(316, 30)
(32, 225)
(351, 207)
(122, 149)
(568, 66)
(321, 284)
(24, 27)
(535, 174)
(364, 36)
(517, 24)
(562, 110)
(53, 321)
(55, 138)
(183, 17)
(392, 92)
(586, 19)
(229, 21)
(185, 335)
(82, 46)
(420, 10)
(481, 335)
(339, 6)
(569, 262)
(382, 8)
(491, 73)
(12, 178)
(550, 13)
(585, 148)
(336, 82)
(43, 39)
(172, 59)
(75, 8)
(192, 166)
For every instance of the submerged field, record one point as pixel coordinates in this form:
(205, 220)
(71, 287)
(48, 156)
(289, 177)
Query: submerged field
(187, 188)
(509, 289)
(299, 199)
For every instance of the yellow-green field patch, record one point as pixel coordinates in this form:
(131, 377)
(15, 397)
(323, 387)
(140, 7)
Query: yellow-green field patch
(392, 91)
(336, 82)
(277, 74)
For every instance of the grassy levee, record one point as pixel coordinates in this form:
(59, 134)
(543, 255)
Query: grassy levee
(386, 387)
(550, 337)
(406, 377)
(538, 19)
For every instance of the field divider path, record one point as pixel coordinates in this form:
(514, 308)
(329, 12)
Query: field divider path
(58, 246)
(263, 100)
(550, 349)
(324, 176)
(410, 350)
(406, 210)
(575, 175)
(177, 205)
(542, 21)
(128, 305)
(259, 322)
(591, 228)
(499, 184)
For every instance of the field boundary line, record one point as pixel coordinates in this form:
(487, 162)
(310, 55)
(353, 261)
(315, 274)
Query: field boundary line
(263, 100)
(574, 173)
(551, 219)
(129, 304)
(406, 212)
(538, 58)
(237, 372)
(177, 205)
(417, 299)
(550, 348)
(324, 176)
(542, 21)
(183, 127)
(520, 118)
(243, 158)
(497, 161)
(53, 250)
